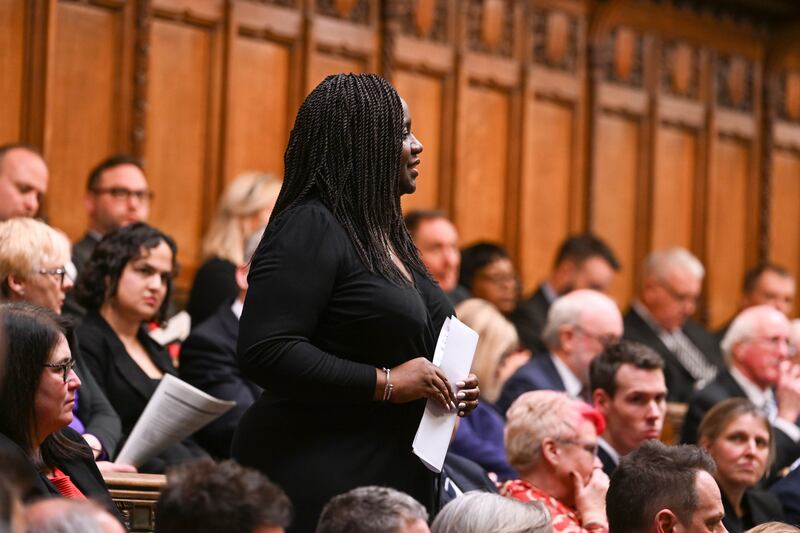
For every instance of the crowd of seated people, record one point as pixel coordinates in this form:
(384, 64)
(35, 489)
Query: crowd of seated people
(572, 391)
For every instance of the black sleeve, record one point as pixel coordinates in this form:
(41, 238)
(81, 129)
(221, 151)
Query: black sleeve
(292, 277)
(91, 345)
(95, 411)
(214, 284)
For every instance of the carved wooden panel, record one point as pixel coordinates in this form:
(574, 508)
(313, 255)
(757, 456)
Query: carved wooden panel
(784, 210)
(87, 102)
(12, 63)
(674, 188)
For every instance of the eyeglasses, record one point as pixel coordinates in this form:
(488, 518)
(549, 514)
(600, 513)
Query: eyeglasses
(680, 297)
(121, 193)
(58, 273)
(64, 367)
(588, 446)
(499, 280)
(604, 340)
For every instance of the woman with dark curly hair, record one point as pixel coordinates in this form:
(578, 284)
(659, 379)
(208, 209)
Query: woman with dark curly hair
(341, 317)
(126, 282)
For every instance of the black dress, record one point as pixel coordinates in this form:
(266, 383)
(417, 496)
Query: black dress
(758, 507)
(315, 326)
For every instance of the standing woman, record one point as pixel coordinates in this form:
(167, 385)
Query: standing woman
(341, 317)
(738, 436)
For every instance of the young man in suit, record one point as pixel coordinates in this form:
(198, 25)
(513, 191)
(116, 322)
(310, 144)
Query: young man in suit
(582, 262)
(579, 326)
(628, 387)
(660, 318)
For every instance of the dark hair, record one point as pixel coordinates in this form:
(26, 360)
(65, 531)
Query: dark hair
(345, 149)
(100, 277)
(414, 218)
(5, 148)
(31, 334)
(204, 496)
(108, 163)
(477, 256)
(654, 477)
(603, 368)
(370, 509)
(718, 417)
(579, 248)
(752, 275)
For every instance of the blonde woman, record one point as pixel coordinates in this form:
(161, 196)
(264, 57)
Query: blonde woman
(245, 206)
(497, 356)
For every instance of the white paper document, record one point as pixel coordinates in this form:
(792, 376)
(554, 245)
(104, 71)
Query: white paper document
(175, 411)
(454, 351)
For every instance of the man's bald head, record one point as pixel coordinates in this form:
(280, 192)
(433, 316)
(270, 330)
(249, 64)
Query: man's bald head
(23, 181)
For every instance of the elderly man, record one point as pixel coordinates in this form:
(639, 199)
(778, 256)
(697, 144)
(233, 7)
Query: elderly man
(23, 181)
(757, 349)
(371, 509)
(579, 326)
(665, 489)
(765, 284)
(659, 318)
(582, 262)
(628, 388)
(551, 440)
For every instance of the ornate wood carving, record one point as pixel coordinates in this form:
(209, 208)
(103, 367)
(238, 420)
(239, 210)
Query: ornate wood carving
(555, 39)
(140, 71)
(620, 57)
(490, 27)
(425, 19)
(357, 11)
(680, 69)
(734, 77)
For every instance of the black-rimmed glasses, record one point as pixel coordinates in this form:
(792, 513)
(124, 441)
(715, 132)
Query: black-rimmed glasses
(64, 367)
(58, 273)
(121, 193)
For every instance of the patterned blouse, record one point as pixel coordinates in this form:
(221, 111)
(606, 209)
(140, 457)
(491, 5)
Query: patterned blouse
(564, 519)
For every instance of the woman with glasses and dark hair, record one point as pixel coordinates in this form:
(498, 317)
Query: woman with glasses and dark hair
(488, 273)
(37, 400)
(738, 435)
(127, 282)
(33, 259)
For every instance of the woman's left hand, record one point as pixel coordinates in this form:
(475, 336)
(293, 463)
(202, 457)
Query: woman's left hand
(467, 395)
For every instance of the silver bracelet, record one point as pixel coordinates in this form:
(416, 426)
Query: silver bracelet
(387, 390)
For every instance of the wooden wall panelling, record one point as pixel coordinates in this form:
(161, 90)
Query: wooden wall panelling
(552, 189)
(89, 90)
(342, 36)
(12, 65)
(183, 119)
(485, 194)
(420, 62)
(263, 86)
(732, 228)
(620, 151)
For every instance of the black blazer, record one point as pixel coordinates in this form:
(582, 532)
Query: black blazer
(82, 471)
(608, 463)
(529, 318)
(467, 475)
(208, 361)
(758, 507)
(214, 284)
(787, 491)
(680, 384)
(126, 385)
(81, 252)
(537, 374)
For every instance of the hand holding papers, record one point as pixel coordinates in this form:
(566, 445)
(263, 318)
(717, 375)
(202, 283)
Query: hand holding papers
(175, 411)
(454, 351)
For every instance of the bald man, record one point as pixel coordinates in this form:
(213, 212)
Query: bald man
(23, 181)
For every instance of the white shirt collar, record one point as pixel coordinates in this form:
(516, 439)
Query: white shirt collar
(609, 449)
(571, 382)
(643, 312)
(236, 308)
(549, 293)
(754, 393)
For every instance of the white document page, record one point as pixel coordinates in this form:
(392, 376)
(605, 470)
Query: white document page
(454, 351)
(175, 411)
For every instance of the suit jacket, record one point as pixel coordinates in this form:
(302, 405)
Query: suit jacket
(537, 374)
(81, 252)
(608, 463)
(82, 471)
(787, 490)
(214, 284)
(680, 384)
(467, 475)
(529, 318)
(126, 385)
(758, 507)
(722, 388)
(208, 361)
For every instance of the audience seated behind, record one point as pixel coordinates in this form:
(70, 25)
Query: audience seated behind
(659, 318)
(579, 325)
(207, 497)
(551, 440)
(126, 282)
(461, 475)
(245, 205)
(488, 273)
(208, 361)
(583, 261)
(23, 180)
(757, 346)
(478, 512)
(738, 436)
(370, 509)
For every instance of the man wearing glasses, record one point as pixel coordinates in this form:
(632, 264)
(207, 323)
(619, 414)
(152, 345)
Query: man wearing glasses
(660, 318)
(758, 352)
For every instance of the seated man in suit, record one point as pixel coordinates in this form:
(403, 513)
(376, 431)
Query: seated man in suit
(582, 262)
(659, 318)
(628, 388)
(764, 284)
(757, 349)
(787, 490)
(579, 326)
(23, 180)
(208, 361)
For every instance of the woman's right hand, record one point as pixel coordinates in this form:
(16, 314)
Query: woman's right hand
(419, 378)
